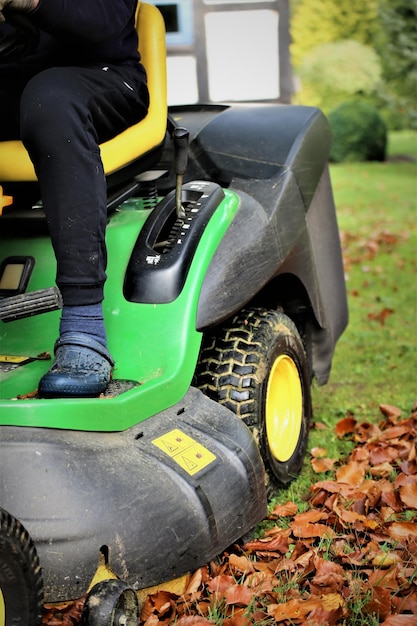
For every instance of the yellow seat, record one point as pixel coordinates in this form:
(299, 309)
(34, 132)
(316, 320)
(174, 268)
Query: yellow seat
(136, 141)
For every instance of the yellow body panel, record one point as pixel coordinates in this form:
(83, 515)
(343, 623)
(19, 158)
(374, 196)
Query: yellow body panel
(15, 164)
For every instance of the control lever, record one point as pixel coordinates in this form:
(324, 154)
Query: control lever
(181, 138)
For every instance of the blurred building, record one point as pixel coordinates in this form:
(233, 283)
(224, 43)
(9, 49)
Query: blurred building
(234, 50)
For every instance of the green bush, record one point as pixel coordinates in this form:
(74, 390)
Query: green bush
(359, 133)
(336, 72)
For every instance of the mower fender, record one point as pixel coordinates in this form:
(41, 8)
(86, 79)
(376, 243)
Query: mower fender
(275, 159)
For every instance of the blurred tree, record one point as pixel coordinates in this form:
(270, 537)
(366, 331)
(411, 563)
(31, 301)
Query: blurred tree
(335, 72)
(316, 22)
(387, 26)
(397, 47)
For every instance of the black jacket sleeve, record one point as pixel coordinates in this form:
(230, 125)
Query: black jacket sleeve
(90, 20)
(87, 31)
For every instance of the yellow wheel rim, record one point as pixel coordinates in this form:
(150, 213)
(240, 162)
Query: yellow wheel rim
(284, 408)
(2, 610)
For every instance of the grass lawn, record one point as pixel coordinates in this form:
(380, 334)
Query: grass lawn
(376, 358)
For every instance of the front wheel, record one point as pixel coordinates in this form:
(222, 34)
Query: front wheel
(21, 585)
(111, 603)
(257, 366)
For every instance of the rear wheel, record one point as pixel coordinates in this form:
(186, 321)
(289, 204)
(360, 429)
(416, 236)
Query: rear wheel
(257, 366)
(21, 585)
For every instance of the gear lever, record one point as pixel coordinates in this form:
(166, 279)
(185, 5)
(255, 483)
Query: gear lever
(181, 138)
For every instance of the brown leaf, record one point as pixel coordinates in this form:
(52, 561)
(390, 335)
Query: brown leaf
(329, 578)
(332, 486)
(352, 474)
(320, 616)
(380, 453)
(313, 515)
(390, 411)
(195, 581)
(381, 316)
(392, 499)
(312, 530)
(409, 467)
(356, 519)
(402, 479)
(408, 495)
(402, 530)
(400, 620)
(318, 453)
(270, 544)
(386, 559)
(345, 426)
(284, 510)
(295, 609)
(241, 564)
(194, 620)
(380, 602)
(385, 579)
(383, 469)
(395, 432)
(322, 465)
(237, 620)
(332, 601)
(152, 620)
(238, 594)
(219, 584)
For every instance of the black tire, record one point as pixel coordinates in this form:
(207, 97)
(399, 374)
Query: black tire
(21, 585)
(256, 365)
(111, 603)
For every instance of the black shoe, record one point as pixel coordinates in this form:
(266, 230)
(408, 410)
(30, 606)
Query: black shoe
(82, 368)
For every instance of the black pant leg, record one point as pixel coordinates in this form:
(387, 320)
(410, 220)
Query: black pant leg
(65, 114)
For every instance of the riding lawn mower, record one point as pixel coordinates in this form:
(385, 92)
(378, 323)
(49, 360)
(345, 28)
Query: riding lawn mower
(225, 298)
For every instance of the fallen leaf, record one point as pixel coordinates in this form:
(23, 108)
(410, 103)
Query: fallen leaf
(381, 316)
(322, 465)
(408, 495)
(402, 530)
(400, 620)
(390, 411)
(352, 474)
(295, 609)
(237, 620)
(238, 594)
(270, 544)
(194, 620)
(284, 510)
(318, 453)
(152, 621)
(220, 584)
(241, 564)
(312, 530)
(345, 426)
(311, 516)
(332, 601)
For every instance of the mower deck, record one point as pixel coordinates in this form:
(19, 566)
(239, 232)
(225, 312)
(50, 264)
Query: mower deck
(161, 498)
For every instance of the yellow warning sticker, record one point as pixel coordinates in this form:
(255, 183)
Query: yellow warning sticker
(5, 358)
(184, 450)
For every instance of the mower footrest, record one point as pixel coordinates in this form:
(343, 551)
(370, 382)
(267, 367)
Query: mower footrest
(28, 304)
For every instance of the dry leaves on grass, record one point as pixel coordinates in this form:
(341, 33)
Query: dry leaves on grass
(361, 249)
(351, 554)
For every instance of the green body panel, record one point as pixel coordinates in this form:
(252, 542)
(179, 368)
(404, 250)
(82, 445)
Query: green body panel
(154, 345)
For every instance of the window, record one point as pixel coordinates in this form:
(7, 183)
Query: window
(178, 17)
